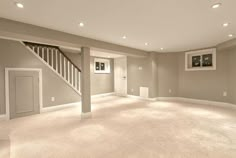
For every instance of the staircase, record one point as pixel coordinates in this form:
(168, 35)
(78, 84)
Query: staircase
(57, 61)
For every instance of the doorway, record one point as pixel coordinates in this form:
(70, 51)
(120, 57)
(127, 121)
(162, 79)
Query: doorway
(120, 76)
(23, 92)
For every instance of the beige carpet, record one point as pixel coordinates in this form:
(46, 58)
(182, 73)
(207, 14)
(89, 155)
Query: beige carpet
(123, 128)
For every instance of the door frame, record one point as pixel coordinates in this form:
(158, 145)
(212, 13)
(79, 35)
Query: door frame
(7, 70)
(126, 73)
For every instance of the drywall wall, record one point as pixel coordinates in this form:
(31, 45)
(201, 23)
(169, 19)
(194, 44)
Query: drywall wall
(232, 75)
(75, 58)
(158, 72)
(138, 74)
(204, 85)
(168, 77)
(15, 55)
(101, 83)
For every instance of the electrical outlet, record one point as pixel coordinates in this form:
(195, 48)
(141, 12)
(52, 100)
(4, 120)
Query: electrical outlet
(132, 90)
(52, 99)
(225, 94)
(170, 90)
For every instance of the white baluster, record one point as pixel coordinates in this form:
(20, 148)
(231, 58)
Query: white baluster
(52, 58)
(37, 50)
(43, 53)
(56, 61)
(76, 79)
(68, 71)
(60, 64)
(64, 68)
(33, 48)
(79, 81)
(72, 75)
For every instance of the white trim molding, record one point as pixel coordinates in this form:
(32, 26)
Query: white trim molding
(206, 102)
(60, 107)
(3, 117)
(166, 99)
(140, 98)
(7, 87)
(87, 115)
(106, 63)
(102, 95)
(64, 106)
(188, 59)
(186, 100)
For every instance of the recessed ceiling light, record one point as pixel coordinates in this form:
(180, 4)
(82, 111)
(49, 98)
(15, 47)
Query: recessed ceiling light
(19, 5)
(81, 24)
(230, 35)
(124, 37)
(226, 24)
(217, 5)
(146, 44)
(162, 48)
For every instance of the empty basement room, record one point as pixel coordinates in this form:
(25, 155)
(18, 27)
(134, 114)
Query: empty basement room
(118, 79)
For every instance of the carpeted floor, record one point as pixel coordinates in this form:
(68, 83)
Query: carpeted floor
(123, 128)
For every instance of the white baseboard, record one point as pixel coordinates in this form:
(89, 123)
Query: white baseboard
(138, 97)
(59, 107)
(153, 99)
(3, 117)
(166, 99)
(186, 100)
(102, 95)
(63, 106)
(206, 102)
(87, 115)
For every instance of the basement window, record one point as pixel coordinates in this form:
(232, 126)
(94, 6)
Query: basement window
(101, 65)
(200, 60)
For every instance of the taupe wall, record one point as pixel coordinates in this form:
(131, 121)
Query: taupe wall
(135, 77)
(205, 85)
(232, 75)
(102, 83)
(14, 54)
(162, 72)
(75, 58)
(159, 73)
(167, 75)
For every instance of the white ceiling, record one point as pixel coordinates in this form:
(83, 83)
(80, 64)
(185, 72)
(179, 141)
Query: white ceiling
(175, 25)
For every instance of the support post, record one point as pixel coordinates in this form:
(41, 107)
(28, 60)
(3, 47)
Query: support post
(85, 84)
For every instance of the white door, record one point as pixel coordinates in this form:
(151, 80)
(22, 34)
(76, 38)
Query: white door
(120, 65)
(23, 93)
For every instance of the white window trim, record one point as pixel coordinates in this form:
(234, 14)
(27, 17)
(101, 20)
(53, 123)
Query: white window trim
(107, 66)
(201, 52)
